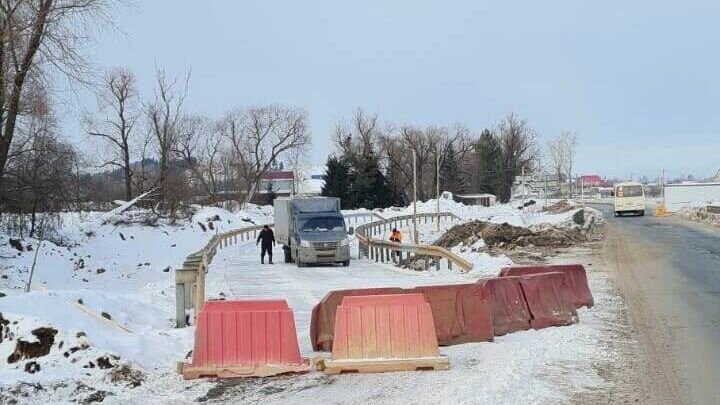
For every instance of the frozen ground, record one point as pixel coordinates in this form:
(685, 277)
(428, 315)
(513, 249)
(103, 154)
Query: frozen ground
(125, 270)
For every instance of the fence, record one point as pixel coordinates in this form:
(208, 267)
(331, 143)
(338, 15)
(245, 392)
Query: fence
(361, 217)
(385, 251)
(190, 278)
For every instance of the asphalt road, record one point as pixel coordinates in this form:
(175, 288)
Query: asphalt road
(668, 272)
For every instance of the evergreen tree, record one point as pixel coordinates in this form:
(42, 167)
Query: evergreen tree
(452, 178)
(369, 187)
(337, 180)
(488, 155)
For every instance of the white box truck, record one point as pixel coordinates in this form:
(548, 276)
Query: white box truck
(311, 230)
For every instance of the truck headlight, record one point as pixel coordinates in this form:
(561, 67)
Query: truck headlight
(344, 242)
(304, 243)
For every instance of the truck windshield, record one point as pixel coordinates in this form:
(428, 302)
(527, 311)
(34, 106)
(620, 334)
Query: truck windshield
(629, 191)
(323, 224)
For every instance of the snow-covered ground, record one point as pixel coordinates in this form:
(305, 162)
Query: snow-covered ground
(125, 269)
(119, 268)
(544, 366)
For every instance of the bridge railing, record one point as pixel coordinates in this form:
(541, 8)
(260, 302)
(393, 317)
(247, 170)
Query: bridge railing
(190, 278)
(385, 251)
(361, 217)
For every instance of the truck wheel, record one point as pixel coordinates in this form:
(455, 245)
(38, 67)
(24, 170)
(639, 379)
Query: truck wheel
(346, 263)
(642, 213)
(286, 254)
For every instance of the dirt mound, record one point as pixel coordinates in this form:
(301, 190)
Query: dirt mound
(127, 376)
(519, 243)
(462, 233)
(559, 207)
(507, 236)
(32, 350)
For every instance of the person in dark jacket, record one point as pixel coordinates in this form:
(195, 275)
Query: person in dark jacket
(267, 237)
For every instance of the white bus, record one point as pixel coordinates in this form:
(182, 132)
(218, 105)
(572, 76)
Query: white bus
(629, 198)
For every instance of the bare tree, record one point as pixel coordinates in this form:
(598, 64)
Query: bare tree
(164, 114)
(432, 145)
(517, 144)
(118, 108)
(200, 147)
(141, 177)
(561, 151)
(556, 154)
(399, 163)
(359, 137)
(260, 136)
(34, 35)
(41, 174)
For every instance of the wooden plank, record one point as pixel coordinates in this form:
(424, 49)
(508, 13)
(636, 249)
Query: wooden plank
(190, 372)
(385, 365)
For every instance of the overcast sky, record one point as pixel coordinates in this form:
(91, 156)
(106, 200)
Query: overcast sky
(637, 80)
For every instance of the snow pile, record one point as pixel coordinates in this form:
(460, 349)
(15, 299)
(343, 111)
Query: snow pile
(109, 280)
(513, 213)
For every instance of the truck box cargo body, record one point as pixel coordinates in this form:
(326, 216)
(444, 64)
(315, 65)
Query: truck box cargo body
(311, 230)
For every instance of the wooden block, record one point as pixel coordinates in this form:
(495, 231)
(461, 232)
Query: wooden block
(385, 365)
(190, 372)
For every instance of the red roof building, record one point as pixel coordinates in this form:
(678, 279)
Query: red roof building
(591, 180)
(283, 175)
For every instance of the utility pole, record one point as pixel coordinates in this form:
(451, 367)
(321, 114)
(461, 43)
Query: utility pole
(662, 185)
(546, 198)
(437, 192)
(522, 171)
(582, 191)
(415, 232)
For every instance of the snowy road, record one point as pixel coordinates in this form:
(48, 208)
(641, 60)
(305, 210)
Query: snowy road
(546, 366)
(668, 270)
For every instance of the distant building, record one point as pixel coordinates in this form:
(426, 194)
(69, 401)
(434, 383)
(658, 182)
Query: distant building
(280, 182)
(677, 196)
(486, 200)
(590, 180)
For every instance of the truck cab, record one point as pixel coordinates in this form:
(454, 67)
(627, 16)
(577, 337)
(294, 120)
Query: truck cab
(312, 230)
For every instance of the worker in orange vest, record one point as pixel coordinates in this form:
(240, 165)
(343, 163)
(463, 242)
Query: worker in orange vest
(396, 236)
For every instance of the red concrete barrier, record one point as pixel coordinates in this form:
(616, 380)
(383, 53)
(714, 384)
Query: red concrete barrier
(575, 278)
(245, 339)
(245, 305)
(462, 313)
(510, 312)
(322, 320)
(548, 301)
(379, 333)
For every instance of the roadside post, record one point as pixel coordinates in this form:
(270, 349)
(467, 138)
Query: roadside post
(437, 191)
(415, 231)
